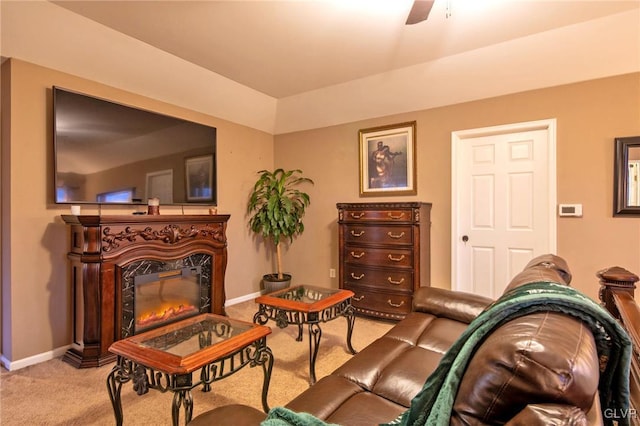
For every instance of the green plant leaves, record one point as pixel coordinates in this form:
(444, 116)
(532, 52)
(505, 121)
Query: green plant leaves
(277, 206)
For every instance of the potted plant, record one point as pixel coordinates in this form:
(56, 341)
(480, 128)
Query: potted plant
(277, 207)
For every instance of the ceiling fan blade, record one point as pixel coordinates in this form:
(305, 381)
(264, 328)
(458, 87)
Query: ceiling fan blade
(419, 11)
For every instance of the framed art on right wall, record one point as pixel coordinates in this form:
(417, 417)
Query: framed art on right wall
(388, 160)
(626, 178)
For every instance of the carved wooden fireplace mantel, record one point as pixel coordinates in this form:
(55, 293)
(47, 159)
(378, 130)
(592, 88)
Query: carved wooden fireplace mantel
(103, 250)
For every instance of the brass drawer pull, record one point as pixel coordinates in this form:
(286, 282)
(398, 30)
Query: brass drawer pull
(357, 278)
(395, 217)
(357, 299)
(357, 256)
(395, 305)
(396, 236)
(396, 259)
(357, 234)
(357, 215)
(395, 282)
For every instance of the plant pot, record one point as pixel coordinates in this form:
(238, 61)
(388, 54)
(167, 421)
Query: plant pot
(272, 283)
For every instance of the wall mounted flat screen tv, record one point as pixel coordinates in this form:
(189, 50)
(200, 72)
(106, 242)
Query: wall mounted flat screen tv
(105, 152)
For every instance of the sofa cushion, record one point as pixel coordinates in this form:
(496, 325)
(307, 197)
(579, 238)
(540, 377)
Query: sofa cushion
(549, 414)
(392, 369)
(548, 267)
(338, 400)
(365, 409)
(230, 415)
(554, 262)
(537, 359)
(458, 306)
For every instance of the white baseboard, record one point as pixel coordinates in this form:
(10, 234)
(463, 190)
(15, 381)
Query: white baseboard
(32, 360)
(246, 297)
(46, 356)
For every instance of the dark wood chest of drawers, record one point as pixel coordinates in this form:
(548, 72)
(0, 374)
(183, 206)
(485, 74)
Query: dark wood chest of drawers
(384, 255)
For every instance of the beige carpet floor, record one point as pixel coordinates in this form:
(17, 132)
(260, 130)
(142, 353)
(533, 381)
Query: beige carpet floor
(55, 393)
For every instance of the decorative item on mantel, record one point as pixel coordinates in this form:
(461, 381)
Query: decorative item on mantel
(153, 206)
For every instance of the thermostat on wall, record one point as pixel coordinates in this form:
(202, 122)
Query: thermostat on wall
(574, 210)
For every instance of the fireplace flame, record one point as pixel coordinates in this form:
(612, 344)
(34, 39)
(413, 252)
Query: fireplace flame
(165, 313)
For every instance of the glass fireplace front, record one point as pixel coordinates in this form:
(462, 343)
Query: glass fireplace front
(166, 296)
(154, 292)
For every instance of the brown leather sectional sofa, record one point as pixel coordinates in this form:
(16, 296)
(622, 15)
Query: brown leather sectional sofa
(536, 369)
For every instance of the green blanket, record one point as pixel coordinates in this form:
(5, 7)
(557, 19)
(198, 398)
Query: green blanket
(280, 416)
(433, 404)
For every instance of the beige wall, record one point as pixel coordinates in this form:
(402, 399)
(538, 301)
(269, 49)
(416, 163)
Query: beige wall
(589, 116)
(34, 278)
(34, 254)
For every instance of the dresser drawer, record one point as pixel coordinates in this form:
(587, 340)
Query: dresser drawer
(388, 305)
(391, 215)
(384, 234)
(400, 280)
(400, 258)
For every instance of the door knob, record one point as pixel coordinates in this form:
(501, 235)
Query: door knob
(465, 238)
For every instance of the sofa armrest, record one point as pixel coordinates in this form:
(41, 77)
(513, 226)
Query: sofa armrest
(539, 358)
(456, 305)
(549, 414)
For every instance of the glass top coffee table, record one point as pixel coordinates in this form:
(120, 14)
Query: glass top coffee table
(165, 358)
(307, 305)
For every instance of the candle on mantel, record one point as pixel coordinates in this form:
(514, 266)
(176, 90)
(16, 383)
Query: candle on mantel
(153, 206)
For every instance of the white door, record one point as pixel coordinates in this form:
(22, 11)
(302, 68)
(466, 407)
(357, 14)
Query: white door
(503, 203)
(160, 185)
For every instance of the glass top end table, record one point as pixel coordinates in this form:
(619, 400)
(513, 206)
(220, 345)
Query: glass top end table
(311, 305)
(165, 358)
(306, 298)
(190, 337)
(180, 347)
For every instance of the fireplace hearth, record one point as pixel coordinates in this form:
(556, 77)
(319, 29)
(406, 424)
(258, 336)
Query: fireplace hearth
(129, 274)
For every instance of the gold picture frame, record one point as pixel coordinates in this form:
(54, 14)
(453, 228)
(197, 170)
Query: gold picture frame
(388, 160)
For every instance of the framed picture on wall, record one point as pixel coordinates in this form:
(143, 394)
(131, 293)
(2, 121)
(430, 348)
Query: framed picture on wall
(199, 178)
(388, 160)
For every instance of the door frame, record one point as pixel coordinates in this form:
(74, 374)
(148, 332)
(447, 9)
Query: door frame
(459, 137)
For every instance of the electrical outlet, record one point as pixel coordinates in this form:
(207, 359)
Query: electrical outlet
(332, 273)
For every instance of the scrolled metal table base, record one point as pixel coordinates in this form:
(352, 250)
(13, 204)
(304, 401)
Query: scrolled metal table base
(283, 318)
(145, 378)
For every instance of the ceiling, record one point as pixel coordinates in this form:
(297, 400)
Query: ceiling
(285, 48)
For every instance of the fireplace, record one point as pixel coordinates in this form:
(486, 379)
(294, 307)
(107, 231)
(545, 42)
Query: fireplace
(129, 274)
(157, 293)
(164, 297)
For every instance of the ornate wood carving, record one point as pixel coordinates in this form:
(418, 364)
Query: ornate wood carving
(170, 234)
